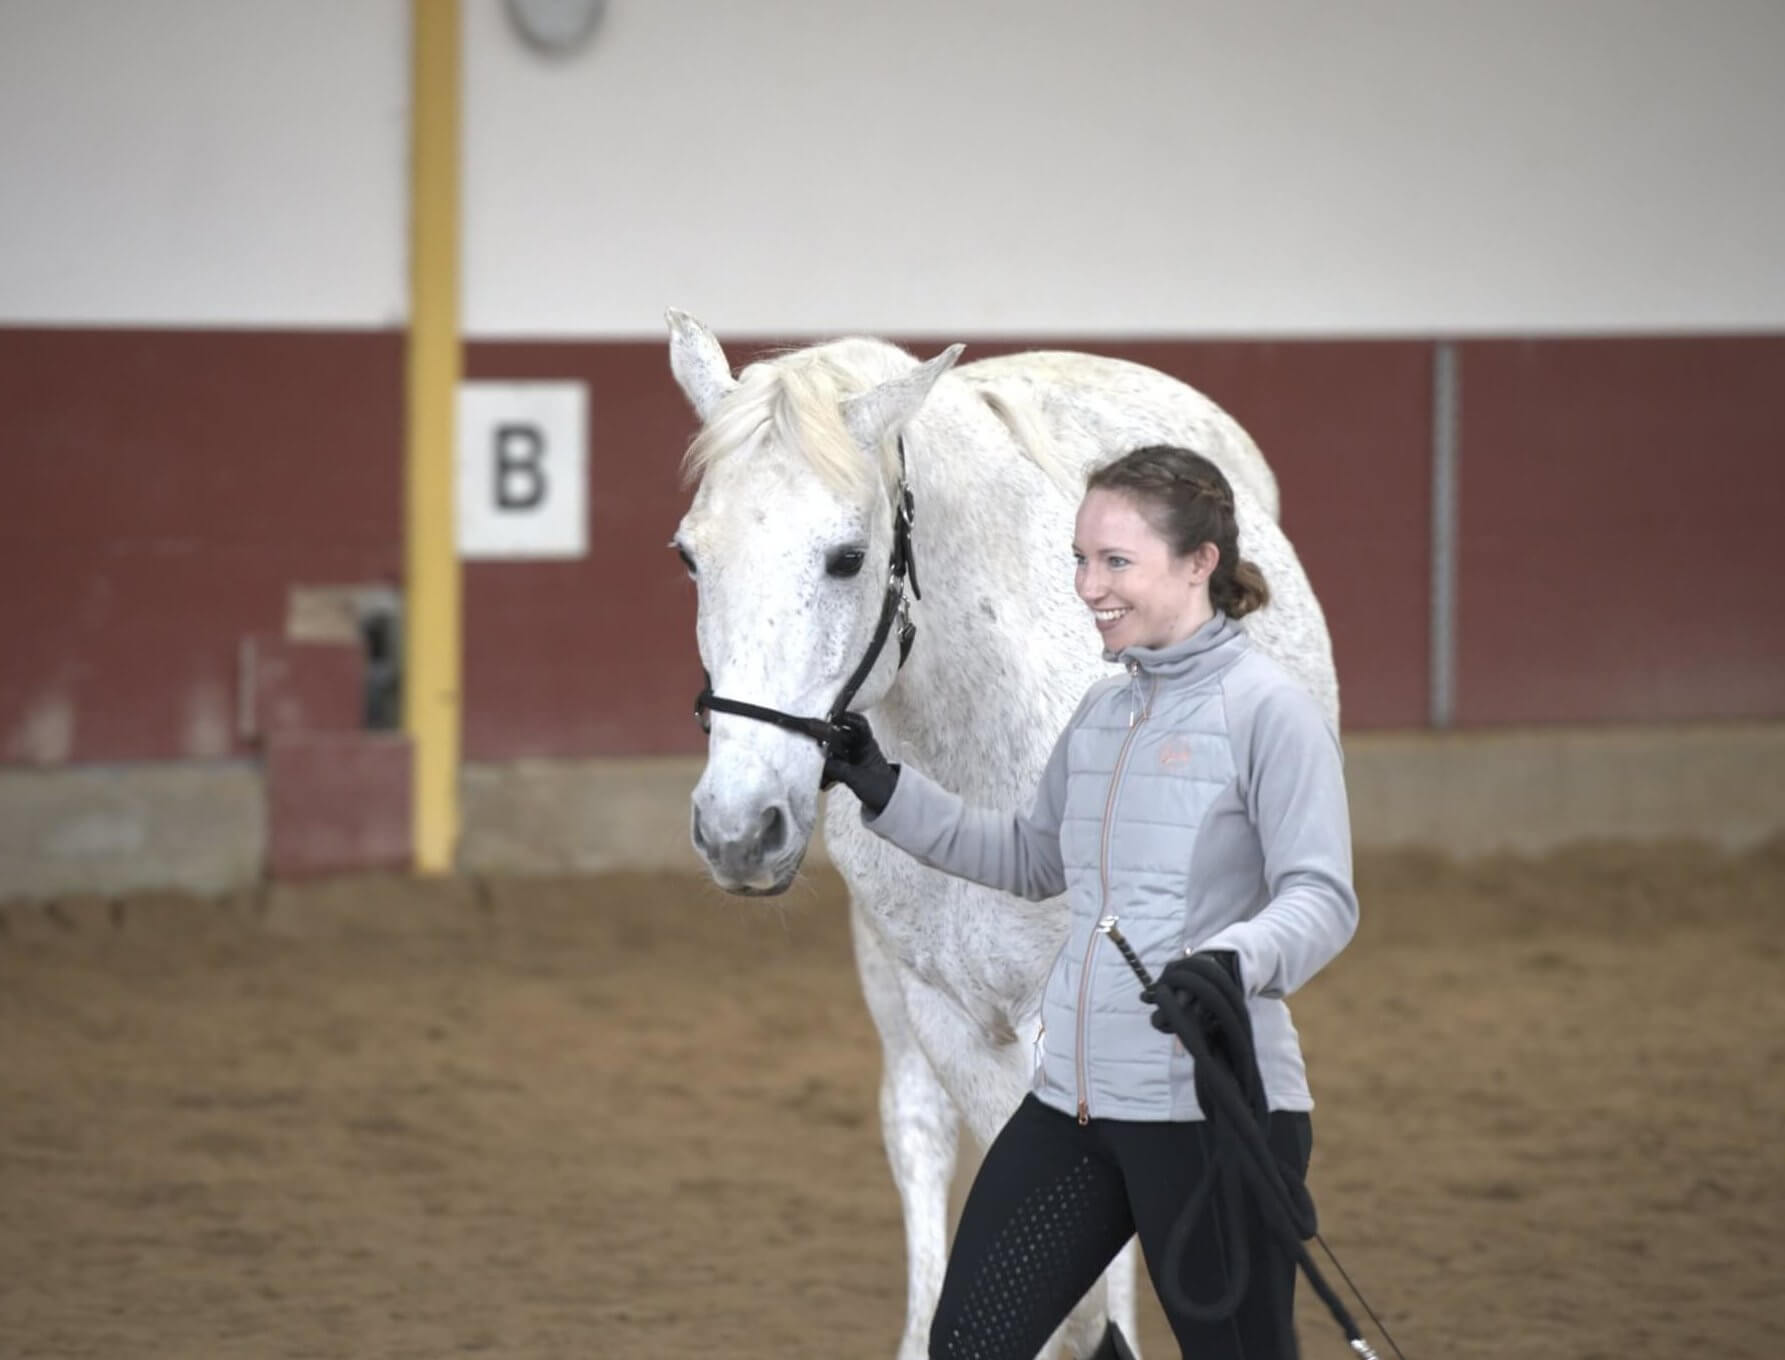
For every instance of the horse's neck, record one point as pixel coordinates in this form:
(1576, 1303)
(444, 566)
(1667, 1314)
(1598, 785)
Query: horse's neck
(1002, 651)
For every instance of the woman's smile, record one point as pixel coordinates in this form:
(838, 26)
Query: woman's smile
(1109, 618)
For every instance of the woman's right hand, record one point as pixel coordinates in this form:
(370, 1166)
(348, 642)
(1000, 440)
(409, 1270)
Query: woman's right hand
(854, 759)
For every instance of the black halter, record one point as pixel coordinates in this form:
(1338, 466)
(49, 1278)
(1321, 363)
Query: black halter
(894, 607)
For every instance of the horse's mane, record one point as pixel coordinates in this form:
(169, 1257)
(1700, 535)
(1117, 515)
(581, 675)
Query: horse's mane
(797, 396)
(1031, 436)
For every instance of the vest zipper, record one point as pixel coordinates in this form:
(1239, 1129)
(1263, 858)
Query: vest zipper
(1084, 977)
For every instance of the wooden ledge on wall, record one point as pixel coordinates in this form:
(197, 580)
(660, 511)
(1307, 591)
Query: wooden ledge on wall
(337, 802)
(338, 796)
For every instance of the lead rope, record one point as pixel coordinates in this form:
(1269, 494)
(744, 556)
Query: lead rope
(1232, 1096)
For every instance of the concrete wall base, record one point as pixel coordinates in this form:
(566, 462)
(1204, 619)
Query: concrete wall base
(1533, 790)
(1465, 793)
(203, 827)
(194, 826)
(578, 816)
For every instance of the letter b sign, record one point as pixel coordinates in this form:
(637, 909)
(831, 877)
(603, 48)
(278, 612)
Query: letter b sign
(523, 456)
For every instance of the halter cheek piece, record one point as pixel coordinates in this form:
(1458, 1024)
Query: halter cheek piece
(895, 607)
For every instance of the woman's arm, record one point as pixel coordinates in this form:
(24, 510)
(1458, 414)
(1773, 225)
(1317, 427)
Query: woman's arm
(1296, 799)
(1013, 852)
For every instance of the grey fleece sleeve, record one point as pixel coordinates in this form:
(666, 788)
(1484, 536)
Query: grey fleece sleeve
(1009, 851)
(1296, 799)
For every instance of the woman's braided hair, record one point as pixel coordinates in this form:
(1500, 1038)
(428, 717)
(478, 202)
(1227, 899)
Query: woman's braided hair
(1189, 502)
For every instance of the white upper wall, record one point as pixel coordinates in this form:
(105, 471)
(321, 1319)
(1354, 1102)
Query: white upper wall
(956, 167)
(204, 162)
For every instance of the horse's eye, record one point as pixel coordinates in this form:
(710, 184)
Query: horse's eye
(682, 553)
(844, 562)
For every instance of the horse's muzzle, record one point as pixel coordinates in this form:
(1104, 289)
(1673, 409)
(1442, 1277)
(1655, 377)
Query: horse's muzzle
(754, 860)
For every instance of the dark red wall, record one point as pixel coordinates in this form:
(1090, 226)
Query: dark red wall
(1623, 530)
(163, 489)
(595, 656)
(166, 488)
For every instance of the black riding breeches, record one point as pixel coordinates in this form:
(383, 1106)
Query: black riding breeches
(1055, 1201)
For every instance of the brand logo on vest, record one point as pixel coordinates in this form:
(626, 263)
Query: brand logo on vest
(1174, 753)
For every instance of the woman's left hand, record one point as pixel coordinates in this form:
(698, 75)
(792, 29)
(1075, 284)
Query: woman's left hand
(1177, 976)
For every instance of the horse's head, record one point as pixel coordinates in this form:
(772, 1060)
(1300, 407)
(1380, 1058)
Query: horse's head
(788, 540)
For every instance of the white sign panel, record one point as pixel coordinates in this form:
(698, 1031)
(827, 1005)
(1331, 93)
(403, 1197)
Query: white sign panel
(523, 469)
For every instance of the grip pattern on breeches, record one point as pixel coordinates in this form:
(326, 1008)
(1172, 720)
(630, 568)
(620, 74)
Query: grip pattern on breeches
(1037, 1267)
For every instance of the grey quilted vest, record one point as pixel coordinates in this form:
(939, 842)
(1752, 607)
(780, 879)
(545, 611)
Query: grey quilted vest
(1199, 799)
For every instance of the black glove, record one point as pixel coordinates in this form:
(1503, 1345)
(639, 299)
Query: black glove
(1175, 975)
(854, 759)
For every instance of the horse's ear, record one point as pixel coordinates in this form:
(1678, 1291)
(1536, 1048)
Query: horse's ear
(699, 363)
(881, 412)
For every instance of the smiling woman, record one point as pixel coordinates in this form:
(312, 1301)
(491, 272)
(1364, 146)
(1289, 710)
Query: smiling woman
(1201, 801)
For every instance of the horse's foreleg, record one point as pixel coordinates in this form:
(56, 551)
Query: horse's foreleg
(919, 1125)
(1123, 1272)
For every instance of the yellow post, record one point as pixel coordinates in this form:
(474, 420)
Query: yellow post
(431, 625)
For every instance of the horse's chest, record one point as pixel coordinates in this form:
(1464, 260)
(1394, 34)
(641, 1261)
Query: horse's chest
(949, 935)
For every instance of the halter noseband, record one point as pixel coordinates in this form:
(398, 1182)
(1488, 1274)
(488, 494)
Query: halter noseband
(895, 606)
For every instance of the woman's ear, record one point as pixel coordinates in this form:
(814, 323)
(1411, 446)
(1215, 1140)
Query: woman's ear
(1203, 562)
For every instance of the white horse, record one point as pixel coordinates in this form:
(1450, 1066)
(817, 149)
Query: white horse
(789, 539)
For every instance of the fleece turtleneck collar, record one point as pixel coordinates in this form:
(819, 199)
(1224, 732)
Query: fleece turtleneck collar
(1211, 649)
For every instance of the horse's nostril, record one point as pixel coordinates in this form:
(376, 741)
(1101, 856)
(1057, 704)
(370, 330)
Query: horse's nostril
(700, 840)
(774, 831)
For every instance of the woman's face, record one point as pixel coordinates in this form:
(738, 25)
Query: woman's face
(1139, 592)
